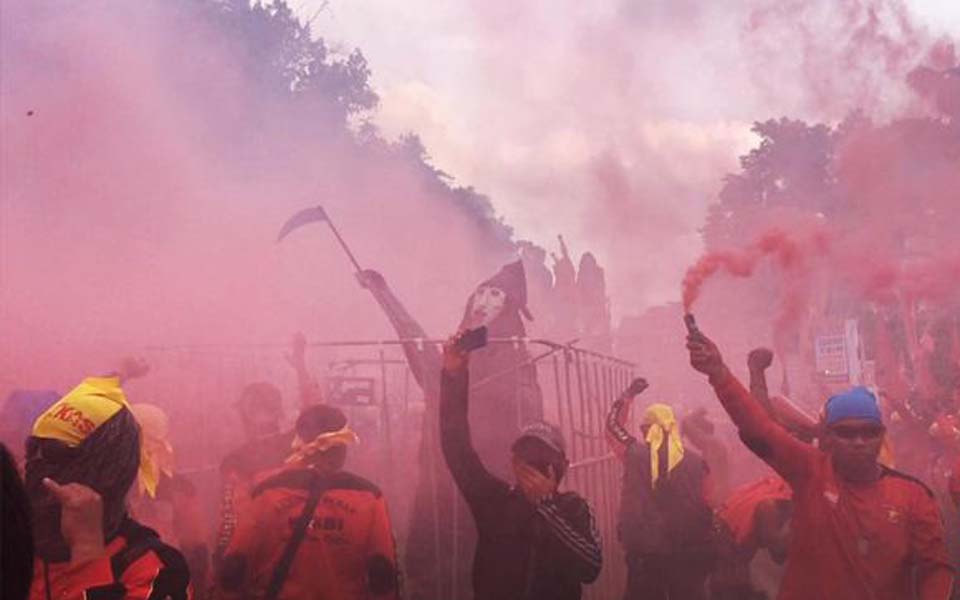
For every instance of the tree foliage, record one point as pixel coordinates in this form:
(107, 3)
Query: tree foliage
(328, 93)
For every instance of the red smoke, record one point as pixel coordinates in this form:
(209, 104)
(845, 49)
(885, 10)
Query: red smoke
(788, 253)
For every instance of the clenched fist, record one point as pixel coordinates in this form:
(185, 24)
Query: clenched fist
(760, 359)
(637, 386)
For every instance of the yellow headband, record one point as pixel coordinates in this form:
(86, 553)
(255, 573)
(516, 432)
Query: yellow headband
(322, 443)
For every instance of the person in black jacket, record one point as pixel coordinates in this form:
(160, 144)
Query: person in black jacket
(533, 542)
(665, 519)
(16, 541)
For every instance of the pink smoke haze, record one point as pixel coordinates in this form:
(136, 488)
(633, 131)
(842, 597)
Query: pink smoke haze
(145, 177)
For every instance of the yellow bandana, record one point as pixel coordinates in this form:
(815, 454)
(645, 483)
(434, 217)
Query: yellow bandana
(88, 406)
(663, 425)
(156, 453)
(75, 416)
(322, 443)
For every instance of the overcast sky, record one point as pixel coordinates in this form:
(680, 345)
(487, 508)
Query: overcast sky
(529, 101)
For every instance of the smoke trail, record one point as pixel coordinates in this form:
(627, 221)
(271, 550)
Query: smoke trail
(790, 253)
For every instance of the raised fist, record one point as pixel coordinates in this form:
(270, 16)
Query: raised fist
(637, 386)
(132, 367)
(298, 350)
(760, 359)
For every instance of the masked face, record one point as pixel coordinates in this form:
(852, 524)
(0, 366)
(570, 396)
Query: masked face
(486, 305)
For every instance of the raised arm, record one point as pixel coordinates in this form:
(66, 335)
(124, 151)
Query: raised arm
(307, 385)
(759, 431)
(781, 409)
(618, 438)
(758, 361)
(424, 360)
(475, 482)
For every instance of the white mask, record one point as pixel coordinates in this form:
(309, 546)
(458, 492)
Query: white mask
(486, 305)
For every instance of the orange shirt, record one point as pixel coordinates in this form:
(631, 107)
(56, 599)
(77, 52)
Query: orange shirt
(348, 552)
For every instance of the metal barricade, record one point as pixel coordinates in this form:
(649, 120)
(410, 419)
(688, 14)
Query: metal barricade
(578, 387)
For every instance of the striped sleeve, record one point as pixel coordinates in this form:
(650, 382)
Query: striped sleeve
(618, 438)
(574, 531)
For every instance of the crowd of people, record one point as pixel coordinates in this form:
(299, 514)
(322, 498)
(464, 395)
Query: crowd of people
(80, 503)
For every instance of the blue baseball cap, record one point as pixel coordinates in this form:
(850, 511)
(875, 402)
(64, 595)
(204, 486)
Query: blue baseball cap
(857, 403)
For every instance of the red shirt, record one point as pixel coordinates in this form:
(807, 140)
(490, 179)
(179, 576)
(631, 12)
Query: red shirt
(849, 541)
(953, 483)
(740, 509)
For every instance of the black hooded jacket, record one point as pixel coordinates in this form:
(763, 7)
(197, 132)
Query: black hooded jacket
(524, 552)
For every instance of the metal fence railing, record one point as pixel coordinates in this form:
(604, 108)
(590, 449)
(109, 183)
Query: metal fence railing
(197, 385)
(581, 386)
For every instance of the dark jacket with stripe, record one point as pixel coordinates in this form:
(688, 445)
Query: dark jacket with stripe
(524, 552)
(671, 518)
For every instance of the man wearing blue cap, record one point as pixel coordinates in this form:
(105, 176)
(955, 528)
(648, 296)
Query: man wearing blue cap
(860, 530)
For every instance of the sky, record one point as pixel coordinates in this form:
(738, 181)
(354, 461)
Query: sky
(613, 122)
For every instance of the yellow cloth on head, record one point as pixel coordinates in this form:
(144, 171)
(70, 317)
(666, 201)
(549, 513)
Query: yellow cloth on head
(663, 426)
(156, 453)
(322, 443)
(78, 414)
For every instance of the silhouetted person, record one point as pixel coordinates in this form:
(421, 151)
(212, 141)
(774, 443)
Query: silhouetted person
(82, 458)
(665, 519)
(313, 530)
(533, 542)
(16, 540)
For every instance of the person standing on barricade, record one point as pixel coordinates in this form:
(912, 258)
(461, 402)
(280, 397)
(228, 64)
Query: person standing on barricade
(860, 530)
(665, 520)
(534, 543)
(312, 529)
(437, 561)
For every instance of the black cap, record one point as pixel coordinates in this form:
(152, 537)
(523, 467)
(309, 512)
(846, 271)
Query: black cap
(549, 434)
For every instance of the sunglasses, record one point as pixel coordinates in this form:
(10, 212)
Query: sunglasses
(850, 433)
